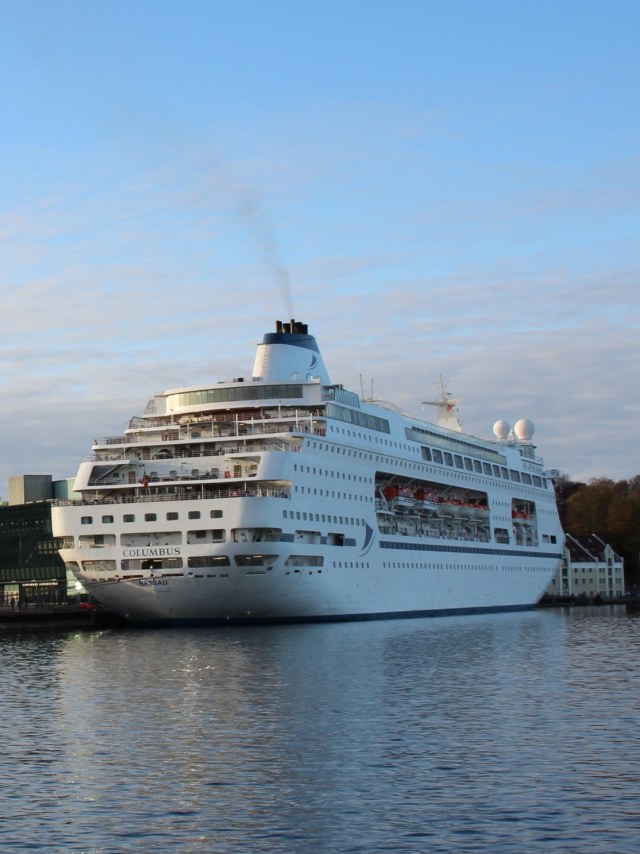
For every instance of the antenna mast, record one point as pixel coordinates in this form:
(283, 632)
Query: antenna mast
(446, 413)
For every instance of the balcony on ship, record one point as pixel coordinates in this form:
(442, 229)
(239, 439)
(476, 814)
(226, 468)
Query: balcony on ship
(191, 450)
(219, 426)
(183, 492)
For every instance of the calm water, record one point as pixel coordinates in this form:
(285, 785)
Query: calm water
(515, 732)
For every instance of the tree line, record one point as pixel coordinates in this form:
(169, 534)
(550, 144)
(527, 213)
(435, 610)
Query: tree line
(609, 509)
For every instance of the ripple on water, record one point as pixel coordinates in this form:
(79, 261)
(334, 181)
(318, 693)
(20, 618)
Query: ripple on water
(513, 732)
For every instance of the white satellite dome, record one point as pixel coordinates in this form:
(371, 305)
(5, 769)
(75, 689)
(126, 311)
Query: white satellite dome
(524, 429)
(501, 429)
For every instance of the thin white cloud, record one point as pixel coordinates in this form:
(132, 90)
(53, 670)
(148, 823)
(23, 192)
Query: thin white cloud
(147, 275)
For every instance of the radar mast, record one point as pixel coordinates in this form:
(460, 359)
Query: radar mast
(446, 412)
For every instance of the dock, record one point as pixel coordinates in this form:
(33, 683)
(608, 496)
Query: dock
(581, 600)
(46, 617)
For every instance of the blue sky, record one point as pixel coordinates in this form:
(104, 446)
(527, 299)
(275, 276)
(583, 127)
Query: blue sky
(434, 187)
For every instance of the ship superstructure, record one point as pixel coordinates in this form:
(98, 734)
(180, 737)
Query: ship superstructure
(287, 497)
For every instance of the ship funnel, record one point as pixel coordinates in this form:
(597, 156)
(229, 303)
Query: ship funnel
(288, 354)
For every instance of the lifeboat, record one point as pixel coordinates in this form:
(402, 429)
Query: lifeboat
(476, 510)
(451, 505)
(391, 491)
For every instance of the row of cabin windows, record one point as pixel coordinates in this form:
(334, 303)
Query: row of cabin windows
(445, 458)
(329, 473)
(321, 517)
(490, 469)
(455, 566)
(366, 437)
(150, 517)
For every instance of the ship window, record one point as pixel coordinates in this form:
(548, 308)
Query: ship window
(505, 472)
(252, 560)
(194, 514)
(437, 456)
(86, 520)
(150, 517)
(216, 514)
(486, 467)
(477, 465)
(128, 517)
(448, 458)
(468, 464)
(426, 453)
(172, 515)
(496, 471)
(101, 565)
(526, 478)
(107, 519)
(536, 480)
(515, 475)
(208, 561)
(458, 460)
(304, 560)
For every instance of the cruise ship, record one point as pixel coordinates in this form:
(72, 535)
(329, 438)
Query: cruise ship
(286, 497)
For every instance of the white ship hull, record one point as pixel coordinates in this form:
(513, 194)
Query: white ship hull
(320, 508)
(257, 599)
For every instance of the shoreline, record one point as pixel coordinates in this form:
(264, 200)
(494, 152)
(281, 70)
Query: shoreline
(582, 600)
(46, 617)
(57, 617)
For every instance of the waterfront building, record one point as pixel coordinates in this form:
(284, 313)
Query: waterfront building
(31, 569)
(590, 568)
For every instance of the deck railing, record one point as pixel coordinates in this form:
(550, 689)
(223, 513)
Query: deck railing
(188, 494)
(189, 452)
(225, 430)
